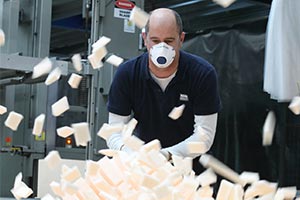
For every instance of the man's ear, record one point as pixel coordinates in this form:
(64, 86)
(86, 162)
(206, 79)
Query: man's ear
(182, 36)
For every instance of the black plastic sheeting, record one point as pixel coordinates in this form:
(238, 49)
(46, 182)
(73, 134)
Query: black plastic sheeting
(238, 56)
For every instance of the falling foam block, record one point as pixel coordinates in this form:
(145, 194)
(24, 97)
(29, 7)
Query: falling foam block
(268, 129)
(260, 188)
(3, 110)
(53, 159)
(108, 152)
(64, 131)
(294, 106)
(224, 190)
(20, 189)
(249, 177)
(2, 38)
(108, 129)
(38, 125)
(288, 192)
(114, 60)
(139, 17)
(74, 80)
(128, 129)
(209, 161)
(224, 3)
(76, 60)
(71, 175)
(206, 178)
(236, 193)
(56, 189)
(196, 147)
(53, 76)
(96, 57)
(176, 112)
(60, 106)
(133, 142)
(48, 197)
(13, 120)
(81, 133)
(42, 68)
(103, 41)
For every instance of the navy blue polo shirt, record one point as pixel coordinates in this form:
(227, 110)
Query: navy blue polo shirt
(133, 91)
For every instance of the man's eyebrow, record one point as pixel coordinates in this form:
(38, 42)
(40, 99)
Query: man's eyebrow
(168, 38)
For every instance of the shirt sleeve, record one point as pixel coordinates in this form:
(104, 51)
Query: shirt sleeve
(208, 123)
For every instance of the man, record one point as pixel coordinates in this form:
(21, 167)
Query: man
(149, 86)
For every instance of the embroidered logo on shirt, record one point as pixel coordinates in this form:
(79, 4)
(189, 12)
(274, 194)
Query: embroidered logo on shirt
(184, 97)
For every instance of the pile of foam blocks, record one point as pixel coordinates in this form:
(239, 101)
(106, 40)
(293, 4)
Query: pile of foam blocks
(144, 173)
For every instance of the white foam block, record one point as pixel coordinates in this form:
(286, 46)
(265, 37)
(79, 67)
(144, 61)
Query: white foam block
(107, 130)
(139, 17)
(20, 189)
(42, 68)
(108, 152)
(220, 168)
(206, 178)
(176, 112)
(48, 197)
(53, 159)
(81, 133)
(2, 38)
(13, 120)
(61, 106)
(95, 62)
(76, 60)
(152, 145)
(129, 127)
(205, 192)
(268, 129)
(3, 110)
(224, 3)
(64, 131)
(133, 142)
(110, 171)
(56, 188)
(224, 190)
(183, 165)
(92, 168)
(74, 80)
(38, 125)
(249, 177)
(288, 192)
(103, 41)
(260, 188)
(71, 175)
(114, 60)
(237, 193)
(294, 106)
(196, 147)
(53, 76)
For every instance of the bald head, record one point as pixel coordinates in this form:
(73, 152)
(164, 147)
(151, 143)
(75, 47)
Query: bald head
(164, 17)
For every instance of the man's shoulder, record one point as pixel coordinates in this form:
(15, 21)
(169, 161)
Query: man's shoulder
(134, 62)
(195, 62)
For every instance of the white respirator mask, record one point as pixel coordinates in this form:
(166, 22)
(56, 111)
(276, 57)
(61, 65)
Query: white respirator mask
(162, 54)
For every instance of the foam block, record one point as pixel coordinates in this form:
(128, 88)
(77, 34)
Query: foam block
(53, 159)
(107, 130)
(260, 188)
(3, 110)
(108, 152)
(76, 60)
(139, 17)
(129, 127)
(152, 145)
(206, 178)
(196, 147)
(114, 60)
(81, 133)
(20, 189)
(110, 171)
(92, 168)
(288, 192)
(101, 42)
(249, 177)
(268, 129)
(42, 68)
(224, 3)
(183, 165)
(176, 112)
(71, 175)
(237, 193)
(64, 131)
(48, 197)
(53, 76)
(74, 80)
(205, 192)
(56, 188)
(133, 142)
(96, 57)
(13, 120)
(61, 106)
(294, 106)
(38, 125)
(2, 38)
(224, 190)
(221, 169)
